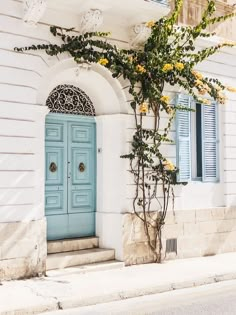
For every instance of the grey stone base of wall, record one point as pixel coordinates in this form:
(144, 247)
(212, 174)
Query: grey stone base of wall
(201, 232)
(23, 249)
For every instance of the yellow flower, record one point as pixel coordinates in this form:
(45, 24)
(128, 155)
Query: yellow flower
(131, 58)
(143, 108)
(150, 24)
(165, 99)
(103, 61)
(228, 43)
(179, 66)
(197, 75)
(205, 101)
(198, 82)
(221, 97)
(203, 88)
(140, 69)
(222, 100)
(202, 92)
(167, 67)
(207, 87)
(217, 87)
(168, 165)
(169, 110)
(221, 94)
(231, 89)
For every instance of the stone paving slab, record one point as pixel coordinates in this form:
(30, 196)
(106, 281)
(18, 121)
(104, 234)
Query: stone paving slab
(67, 289)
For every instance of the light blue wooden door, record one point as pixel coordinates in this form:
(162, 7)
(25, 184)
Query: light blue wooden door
(70, 176)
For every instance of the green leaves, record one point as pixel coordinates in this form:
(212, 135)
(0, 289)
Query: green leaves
(178, 6)
(222, 18)
(167, 45)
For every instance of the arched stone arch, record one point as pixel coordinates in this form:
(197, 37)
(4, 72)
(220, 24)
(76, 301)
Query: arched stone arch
(105, 92)
(112, 118)
(69, 99)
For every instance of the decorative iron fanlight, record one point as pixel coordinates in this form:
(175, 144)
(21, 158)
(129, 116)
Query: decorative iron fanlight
(69, 99)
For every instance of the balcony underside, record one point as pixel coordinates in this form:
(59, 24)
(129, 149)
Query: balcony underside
(129, 11)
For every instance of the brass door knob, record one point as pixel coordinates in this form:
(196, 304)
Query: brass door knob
(53, 167)
(81, 167)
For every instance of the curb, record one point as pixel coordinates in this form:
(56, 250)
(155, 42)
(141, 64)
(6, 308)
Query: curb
(63, 304)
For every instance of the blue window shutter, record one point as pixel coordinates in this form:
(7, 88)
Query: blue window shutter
(210, 169)
(183, 139)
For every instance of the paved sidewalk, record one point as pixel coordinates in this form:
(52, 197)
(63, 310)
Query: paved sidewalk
(68, 288)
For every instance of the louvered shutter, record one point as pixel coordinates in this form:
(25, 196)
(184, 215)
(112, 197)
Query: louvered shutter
(183, 140)
(210, 171)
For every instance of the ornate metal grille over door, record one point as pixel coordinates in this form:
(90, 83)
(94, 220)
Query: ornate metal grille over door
(69, 99)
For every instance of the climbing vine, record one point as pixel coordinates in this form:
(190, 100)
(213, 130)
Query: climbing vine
(169, 57)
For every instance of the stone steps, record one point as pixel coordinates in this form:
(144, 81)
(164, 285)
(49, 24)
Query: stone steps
(78, 258)
(70, 245)
(101, 266)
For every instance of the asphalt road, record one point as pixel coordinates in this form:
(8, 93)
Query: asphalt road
(214, 299)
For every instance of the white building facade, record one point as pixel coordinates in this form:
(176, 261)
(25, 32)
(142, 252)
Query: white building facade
(54, 163)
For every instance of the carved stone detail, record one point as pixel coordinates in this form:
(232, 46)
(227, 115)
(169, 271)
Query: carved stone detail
(141, 34)
(33, 11)
(91, 20)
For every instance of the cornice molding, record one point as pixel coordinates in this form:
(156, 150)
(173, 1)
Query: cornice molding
(140, 34)
(91, 21)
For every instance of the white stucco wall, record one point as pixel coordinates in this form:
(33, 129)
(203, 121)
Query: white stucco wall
(26, 80)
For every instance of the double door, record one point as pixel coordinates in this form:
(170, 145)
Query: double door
(70, 176)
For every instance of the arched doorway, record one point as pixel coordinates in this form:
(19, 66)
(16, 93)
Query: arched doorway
(70, 187)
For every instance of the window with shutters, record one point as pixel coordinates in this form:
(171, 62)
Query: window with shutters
(197, 141)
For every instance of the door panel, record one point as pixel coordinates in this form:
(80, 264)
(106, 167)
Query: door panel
(56, 172)
(81, 200)
(57, 226)
(54, 132)
(81, 166)
(54, 176)
(70, 225)
(81, 184)
(81, 134)
(54, 202)
(81, 224)
(70, 186)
